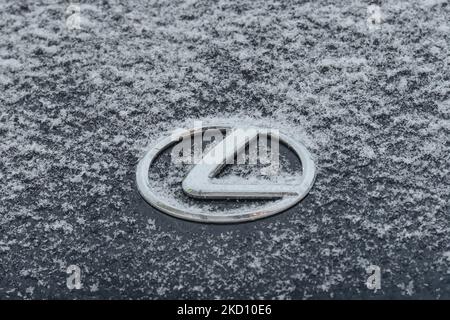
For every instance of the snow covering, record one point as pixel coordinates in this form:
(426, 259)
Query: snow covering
(80, 105)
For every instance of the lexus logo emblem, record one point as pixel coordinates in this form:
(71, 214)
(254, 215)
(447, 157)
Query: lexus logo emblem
(205, 196)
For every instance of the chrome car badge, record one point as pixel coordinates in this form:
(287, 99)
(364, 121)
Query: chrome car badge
(258, 198)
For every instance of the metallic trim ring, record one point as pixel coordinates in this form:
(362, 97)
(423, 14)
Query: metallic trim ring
(143, 184)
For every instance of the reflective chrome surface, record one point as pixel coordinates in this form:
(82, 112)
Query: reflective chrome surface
(199, 184)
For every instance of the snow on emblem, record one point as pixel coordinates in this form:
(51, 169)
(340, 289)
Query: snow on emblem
(201, 181)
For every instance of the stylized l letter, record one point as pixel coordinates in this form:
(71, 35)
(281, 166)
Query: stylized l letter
(200, 182)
